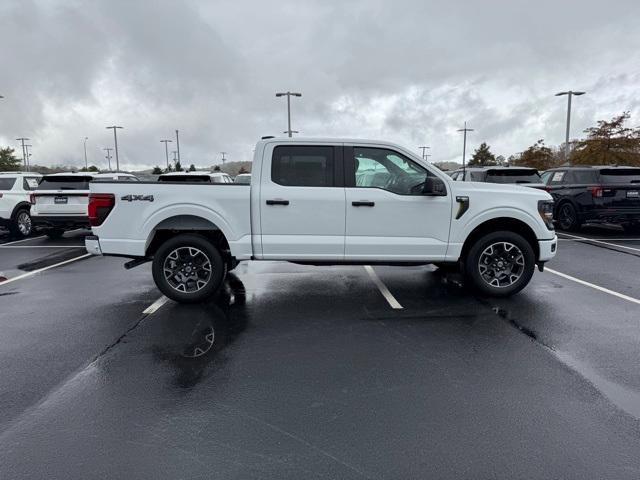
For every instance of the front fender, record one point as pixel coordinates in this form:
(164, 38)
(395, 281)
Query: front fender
(460, 232)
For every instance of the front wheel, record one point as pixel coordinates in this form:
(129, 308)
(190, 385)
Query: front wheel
(22, 226)
(188, 268)
(500, 263)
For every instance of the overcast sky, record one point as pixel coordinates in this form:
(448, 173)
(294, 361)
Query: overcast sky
(406, 71)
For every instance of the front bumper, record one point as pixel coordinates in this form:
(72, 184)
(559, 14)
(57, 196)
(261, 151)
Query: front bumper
(547, 249)
(92, 244)
(60, 221)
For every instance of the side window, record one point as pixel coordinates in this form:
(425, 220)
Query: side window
(545, 177)
(388, 170)
(583, 177)
(30, 183)
(303, 166)
(558, 177)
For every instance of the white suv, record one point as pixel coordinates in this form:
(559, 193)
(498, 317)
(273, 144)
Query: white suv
(60, 201)
(15, 188)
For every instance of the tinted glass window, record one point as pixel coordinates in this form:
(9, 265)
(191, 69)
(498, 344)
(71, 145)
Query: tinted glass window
(546, 176)
(61, 182)
(476, 176)
(620, 175)
(302, 166)
(513, 176)
(7, 183)
(185, 178)
(388, 170)
(581, 176)
(30, 183)
(243, 179)
(557, 177)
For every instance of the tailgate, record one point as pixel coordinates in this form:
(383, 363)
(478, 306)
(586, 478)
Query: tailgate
(61, 203)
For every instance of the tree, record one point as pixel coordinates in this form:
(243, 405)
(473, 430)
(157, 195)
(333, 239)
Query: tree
(156, 170)
(610, 142)
(92, 168)
(192, 168)
(178, 166)
(482, 156)
(537, 156)
(8, 161)
(500, 160)
(216, 168)
(242, 170)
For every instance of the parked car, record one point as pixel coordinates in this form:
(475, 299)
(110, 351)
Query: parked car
(315, 203)
(525, 176)
(599, 194)
(196, 177)
(243, 178)
(15, 207)
(60, 201)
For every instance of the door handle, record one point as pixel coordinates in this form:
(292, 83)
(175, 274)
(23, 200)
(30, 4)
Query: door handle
(363, 203)
(277, 202)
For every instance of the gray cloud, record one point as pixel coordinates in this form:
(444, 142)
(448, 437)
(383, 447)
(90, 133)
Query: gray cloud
(409, 71)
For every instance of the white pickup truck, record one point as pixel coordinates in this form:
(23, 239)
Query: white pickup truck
(325, 202)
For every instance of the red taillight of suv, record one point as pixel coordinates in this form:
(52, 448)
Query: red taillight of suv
(32, 198)
(100, 205)
(599, 191)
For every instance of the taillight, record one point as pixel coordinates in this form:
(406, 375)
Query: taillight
(596, 192)
(0, 195)
(100, 205)
(32, 199)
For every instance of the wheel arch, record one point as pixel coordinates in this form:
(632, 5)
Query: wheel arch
(19, 207)
(497, 224)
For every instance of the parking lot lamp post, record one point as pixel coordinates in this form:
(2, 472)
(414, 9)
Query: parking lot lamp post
(28, 156)
(569, 94)
(289, 95)
(424, 149)
(166, 149)
(178, 146)
(464, 147)
(24, 155)
(86, 164)
(115, 141)
(223, 157)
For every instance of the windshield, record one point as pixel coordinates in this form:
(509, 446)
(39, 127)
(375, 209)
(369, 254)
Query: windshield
(185, 178)
(7, 183)
(620, 175)
(513, 176)
(245, 179)
(62, 182)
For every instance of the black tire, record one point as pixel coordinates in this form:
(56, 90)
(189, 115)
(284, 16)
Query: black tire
(21, 226)
(185, 263)
(478, 253)
(54, 233)
(631, 228)
(567, 217)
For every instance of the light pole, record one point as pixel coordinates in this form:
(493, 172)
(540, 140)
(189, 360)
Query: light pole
(24, 155)
(464, 148)
(175, 158)
(569, 94)
(424, 155)
(166, 149)
(115, 141)
(86, 164)
(289, 95)
(26, 150)
(108, 156)
(178, 146)
(223, 158)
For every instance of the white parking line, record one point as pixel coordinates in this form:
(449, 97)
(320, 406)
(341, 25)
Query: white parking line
(383, 288)
(23, 240)
(155, 305)
(35, 272)
(594, 286)
(606, 238)
(577, 238)
(41, 246)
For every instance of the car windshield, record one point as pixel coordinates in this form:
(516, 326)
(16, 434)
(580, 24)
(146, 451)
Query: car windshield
(513, 176)
(245, 179)
(620, 175)
(7, 183)
(64, 182)
(185, 178)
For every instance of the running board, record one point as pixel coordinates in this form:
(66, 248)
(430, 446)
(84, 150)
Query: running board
(135, 262)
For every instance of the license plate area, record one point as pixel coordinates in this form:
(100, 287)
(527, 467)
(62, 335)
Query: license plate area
(633, 194)
(60, 200)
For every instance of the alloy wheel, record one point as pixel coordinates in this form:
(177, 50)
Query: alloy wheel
(501, 264)
(24, 223)
(187, 269)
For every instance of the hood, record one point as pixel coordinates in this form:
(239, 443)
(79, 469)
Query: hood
(505, 189)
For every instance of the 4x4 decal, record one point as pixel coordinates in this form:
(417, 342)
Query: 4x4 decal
(137, 198)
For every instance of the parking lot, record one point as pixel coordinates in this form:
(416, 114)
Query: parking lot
(319, 372)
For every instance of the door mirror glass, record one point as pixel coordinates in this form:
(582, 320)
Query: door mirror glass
(434, 186)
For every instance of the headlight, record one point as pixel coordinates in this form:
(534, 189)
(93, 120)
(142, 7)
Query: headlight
(545, 209)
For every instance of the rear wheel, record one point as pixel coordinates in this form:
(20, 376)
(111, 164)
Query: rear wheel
(568, 217)
(500, 263)
(188, 268)
(54, 233)
(22, 226)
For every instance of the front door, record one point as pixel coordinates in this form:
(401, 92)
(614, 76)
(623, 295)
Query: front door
(302, 203)
(388, 217)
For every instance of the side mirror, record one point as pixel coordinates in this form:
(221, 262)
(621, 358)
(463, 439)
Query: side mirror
(434, 187)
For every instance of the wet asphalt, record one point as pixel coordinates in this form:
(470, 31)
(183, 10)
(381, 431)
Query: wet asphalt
(307, 372)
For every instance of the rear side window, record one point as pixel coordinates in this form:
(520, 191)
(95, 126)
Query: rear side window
(303, 166)
(513, 176)
(557, 177)
(620, 175)
(30, 183)
(7, 183)
(581, 177)
(61, 182)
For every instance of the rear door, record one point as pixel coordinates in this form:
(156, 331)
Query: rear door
(302, 202)
(62, 195)
(388, 217)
